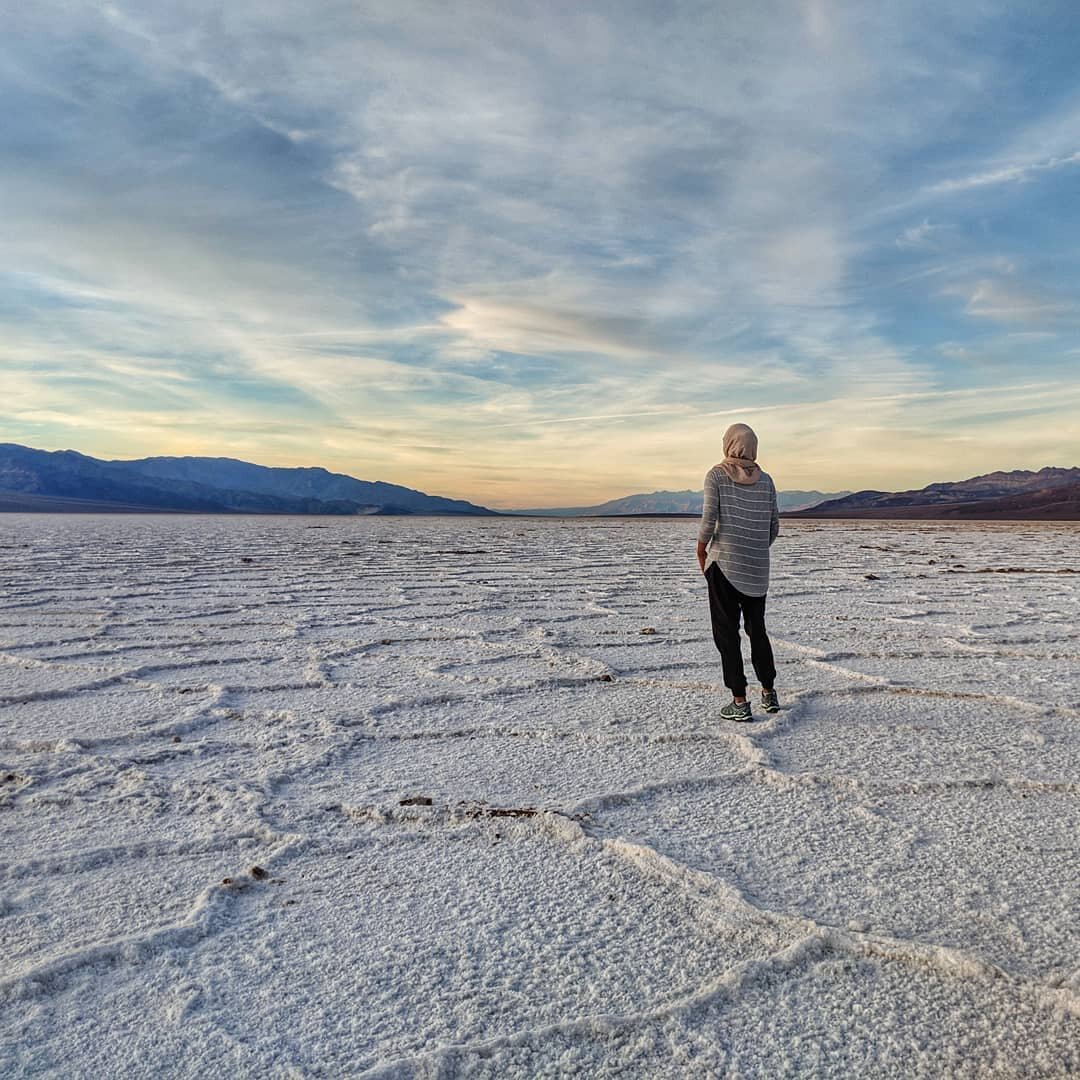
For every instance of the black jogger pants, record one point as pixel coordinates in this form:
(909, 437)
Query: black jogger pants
(726, 604)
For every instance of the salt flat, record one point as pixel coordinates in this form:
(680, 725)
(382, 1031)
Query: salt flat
(504, 831)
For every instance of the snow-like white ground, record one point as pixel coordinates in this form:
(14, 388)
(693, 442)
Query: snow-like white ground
(609, 880)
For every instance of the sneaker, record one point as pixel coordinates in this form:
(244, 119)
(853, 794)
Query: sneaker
(769, 701)
(739, 713)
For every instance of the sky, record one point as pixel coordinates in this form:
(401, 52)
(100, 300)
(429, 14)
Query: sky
(542, 254)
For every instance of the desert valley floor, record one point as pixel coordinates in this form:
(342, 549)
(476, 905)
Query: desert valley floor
(311, 797)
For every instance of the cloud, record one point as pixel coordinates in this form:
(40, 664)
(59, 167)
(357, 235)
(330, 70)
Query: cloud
(1022, 172)
(1005, 302)
(920, 236)
(536, 330)
(954, 351)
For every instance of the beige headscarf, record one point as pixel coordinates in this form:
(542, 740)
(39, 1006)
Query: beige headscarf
(740, 450)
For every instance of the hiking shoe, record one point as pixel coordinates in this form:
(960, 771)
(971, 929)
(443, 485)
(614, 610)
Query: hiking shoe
(769, 701)
(739, 713)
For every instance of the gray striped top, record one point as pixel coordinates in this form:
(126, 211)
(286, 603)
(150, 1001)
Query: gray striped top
(739, 522)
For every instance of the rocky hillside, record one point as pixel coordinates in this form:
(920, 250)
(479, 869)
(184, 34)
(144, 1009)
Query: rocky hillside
(41, 480)
(1048, 494)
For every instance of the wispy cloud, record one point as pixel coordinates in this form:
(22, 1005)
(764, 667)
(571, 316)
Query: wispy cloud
(920, 236)
(1006, 302)
(1023, 172)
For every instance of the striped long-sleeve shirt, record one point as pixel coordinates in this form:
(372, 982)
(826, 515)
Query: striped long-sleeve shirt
(739, 522)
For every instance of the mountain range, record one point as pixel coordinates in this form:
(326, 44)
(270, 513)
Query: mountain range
(65, 480)
(1048, 494)
(673, 502)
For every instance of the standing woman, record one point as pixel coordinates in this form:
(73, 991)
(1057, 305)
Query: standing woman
(739, 522)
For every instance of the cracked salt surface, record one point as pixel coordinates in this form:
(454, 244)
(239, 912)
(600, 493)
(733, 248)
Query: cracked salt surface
(504, 831)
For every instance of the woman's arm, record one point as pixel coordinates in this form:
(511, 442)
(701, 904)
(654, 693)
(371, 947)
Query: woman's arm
(710, 510)
(774, 525)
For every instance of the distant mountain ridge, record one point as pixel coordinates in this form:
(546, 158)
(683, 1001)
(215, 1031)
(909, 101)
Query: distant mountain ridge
(672, 502)
(67, 480)
(1051, 493)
